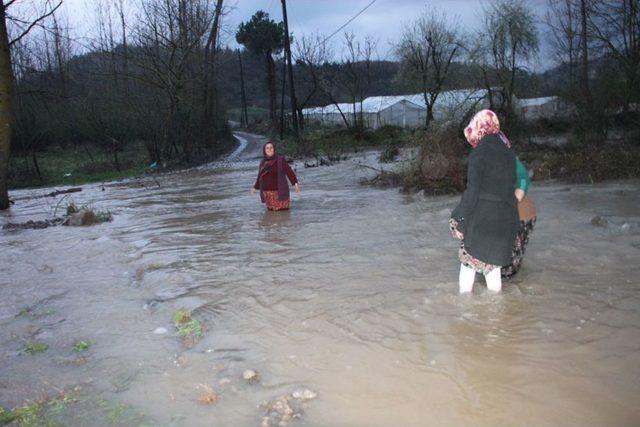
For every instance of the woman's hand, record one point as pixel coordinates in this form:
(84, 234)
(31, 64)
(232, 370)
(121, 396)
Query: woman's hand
(458, 235)
(297, 186)
(253, 190)
(519, 193)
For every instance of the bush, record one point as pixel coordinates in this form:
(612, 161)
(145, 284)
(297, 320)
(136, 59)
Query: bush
(438, 168)
(590, 162)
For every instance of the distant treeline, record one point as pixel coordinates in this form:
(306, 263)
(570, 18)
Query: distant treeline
(162, 78)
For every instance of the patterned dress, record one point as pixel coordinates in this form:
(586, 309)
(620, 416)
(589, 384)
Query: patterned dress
(272, 202)
(465, 257)
(522, 239)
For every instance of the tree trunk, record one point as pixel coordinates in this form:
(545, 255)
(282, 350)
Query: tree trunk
(284, 82)
(429, 115)
(244, 121)
(34, 158)
(271, 82)
(6, 110)
(210, 91)
(586, 93)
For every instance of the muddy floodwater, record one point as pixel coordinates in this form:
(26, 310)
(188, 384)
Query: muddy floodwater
(352, 295)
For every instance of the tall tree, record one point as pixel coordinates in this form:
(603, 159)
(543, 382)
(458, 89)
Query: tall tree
(563, 20)
(426, 51)
(263, 36)
(6, 90)
(6, 108)
(510, 40)
(615, 26)
(311, 54)
(355, 78)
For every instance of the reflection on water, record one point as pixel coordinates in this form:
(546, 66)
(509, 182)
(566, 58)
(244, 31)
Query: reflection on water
(352, 294)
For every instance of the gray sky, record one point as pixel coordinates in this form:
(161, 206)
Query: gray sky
(383, 20)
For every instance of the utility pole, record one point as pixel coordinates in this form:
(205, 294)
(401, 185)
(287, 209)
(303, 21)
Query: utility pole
(244, 117)
(284, 82)
(292, 92)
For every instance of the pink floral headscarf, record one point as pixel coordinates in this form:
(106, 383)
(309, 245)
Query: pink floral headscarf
(485, 122)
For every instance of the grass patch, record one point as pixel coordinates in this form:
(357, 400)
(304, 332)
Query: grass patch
(155, 266)
(35, 347)
(66, 166)
(39, 413)
(31, 313)
(83, 345)
(116, 413)
(187, 325)
(333, 143)
(587, 163)
(188, 328)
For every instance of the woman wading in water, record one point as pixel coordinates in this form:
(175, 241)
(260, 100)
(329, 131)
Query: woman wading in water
(486, 220)
(272, 179)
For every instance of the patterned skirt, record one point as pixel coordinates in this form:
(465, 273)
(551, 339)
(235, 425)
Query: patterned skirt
(466, 258)
(519, 247)
(522, 238)
(272, 202)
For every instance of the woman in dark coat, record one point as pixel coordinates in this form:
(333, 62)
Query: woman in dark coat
(486, 220)
(272, 179)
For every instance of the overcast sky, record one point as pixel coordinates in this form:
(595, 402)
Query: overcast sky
(383, 19)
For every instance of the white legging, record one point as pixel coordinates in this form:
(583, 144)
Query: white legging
(468, 276)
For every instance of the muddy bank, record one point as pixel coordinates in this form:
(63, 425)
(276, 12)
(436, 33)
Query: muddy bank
(352, 295)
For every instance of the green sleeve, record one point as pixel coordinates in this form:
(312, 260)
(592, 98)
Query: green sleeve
(522, 176)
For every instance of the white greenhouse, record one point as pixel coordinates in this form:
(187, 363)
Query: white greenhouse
(402, 110)
(548, 107)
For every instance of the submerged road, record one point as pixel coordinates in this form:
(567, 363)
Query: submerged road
(352, 294)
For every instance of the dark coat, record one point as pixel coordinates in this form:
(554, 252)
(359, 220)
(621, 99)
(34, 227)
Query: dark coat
(488, 213)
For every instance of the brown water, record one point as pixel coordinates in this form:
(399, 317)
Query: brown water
(353, 294)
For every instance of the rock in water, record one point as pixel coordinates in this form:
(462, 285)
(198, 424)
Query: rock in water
(304, 394)
(250, 376)
(599, 221)
(83, 217)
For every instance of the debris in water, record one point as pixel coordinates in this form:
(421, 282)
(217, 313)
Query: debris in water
(280, 411)
(34, 225)
(250, 376)
(67, 191)
(304, 394)
(207, 395)
(87, 217)
(599, 221)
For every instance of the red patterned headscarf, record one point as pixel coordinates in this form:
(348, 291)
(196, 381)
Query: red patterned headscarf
(485, 122)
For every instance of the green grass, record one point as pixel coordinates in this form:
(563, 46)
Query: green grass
(38, 413)
(333, 142)
(56, 162)
(35, 347)
(83, 345)
(155, 266)
(186, 325)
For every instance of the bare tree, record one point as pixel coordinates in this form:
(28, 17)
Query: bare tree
(563, 19)
(509, 40)
(170, 34)
(6, 88)
(357, 58)
(209, 92)
(426, 50)
(311, 54)
(615, 26)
